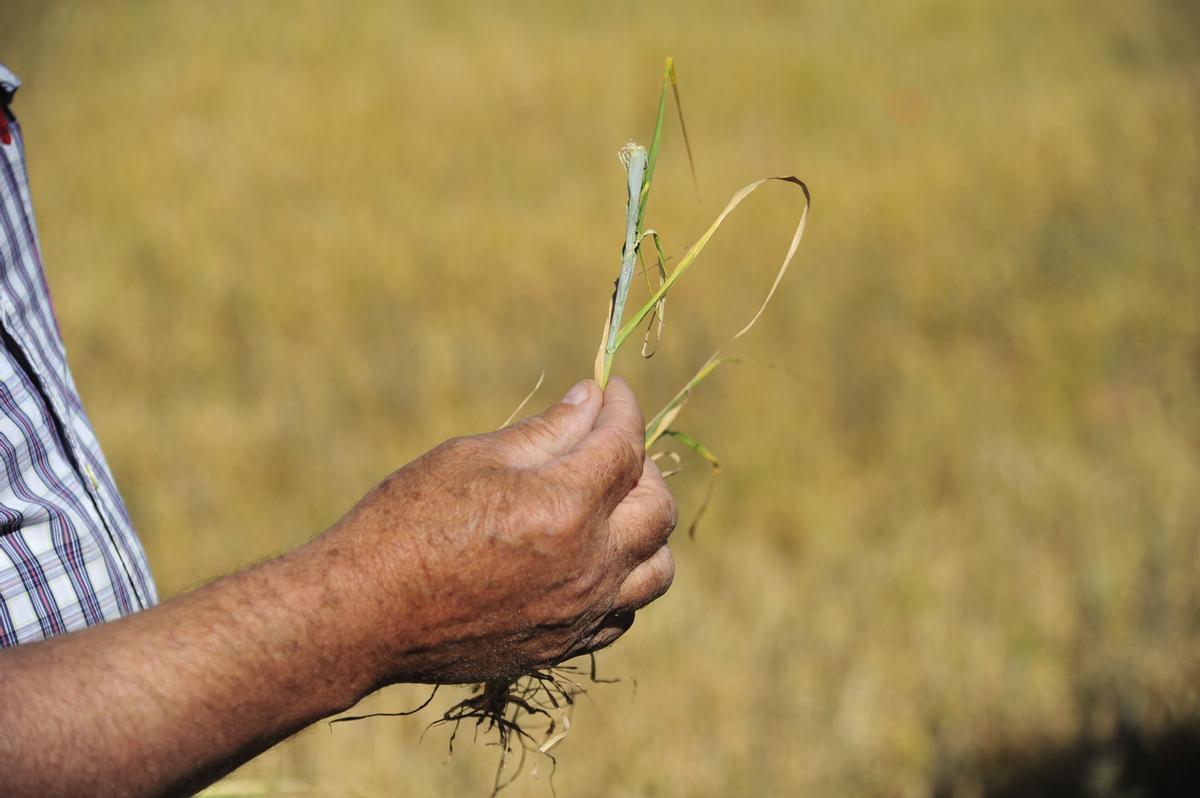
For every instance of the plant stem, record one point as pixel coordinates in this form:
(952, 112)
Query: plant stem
(635, 167)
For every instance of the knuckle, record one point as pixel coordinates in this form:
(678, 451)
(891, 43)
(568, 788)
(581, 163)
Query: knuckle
(551, 511)
(628, 458)
(534, 431)
(665, 572)
(565, 512)
(668, 511)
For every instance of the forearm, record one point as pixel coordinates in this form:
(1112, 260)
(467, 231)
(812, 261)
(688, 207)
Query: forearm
(487, 557)
(166, 700)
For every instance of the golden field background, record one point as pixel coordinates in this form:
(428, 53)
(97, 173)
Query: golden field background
(957, 540)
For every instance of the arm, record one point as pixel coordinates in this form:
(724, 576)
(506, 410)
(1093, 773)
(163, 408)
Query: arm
(486, 557)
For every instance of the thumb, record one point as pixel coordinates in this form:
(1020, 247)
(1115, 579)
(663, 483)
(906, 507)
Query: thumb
(554, 432)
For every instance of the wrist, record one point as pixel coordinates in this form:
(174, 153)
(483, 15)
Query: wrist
(370, 626)
(332, 647)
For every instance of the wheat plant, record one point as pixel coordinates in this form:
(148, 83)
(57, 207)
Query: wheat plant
(530, 714)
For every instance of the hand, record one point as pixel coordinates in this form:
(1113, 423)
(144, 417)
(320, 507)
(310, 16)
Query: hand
(486, 558)
(496, 554)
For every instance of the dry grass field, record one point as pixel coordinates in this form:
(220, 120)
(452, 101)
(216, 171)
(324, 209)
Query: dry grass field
(956, 546)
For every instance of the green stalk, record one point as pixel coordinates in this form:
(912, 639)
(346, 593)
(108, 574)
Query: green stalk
(669, 82)
(639, 166)
(635, 166)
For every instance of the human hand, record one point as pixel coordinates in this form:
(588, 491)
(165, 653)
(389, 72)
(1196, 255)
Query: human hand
(495, 554)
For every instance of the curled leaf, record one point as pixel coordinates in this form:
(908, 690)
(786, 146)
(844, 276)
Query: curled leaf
(658, 320)
(672, 457)
(711, 458)
(694, 251)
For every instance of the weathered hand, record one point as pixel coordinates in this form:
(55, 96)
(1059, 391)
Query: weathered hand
(494, 554)
(486, 558)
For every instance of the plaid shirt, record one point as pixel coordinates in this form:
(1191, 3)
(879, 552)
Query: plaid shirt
(69, 557)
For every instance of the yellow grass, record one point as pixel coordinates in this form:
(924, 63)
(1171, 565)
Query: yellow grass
(287, 239)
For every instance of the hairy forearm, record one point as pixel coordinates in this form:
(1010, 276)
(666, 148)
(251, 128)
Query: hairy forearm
(485, 558)
(165, 701)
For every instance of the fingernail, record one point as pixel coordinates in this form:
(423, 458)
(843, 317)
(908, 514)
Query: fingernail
(577, 394)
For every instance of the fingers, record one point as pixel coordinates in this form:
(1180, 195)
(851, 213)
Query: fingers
(644, 520)
(643, 585)
(555, 431)
(640, 526)
(647, 582)
(607, 462)
(615, 624)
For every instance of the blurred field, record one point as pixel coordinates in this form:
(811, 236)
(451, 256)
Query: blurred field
(293, 245)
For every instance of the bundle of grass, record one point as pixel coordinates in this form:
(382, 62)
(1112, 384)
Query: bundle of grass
(530, 714)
